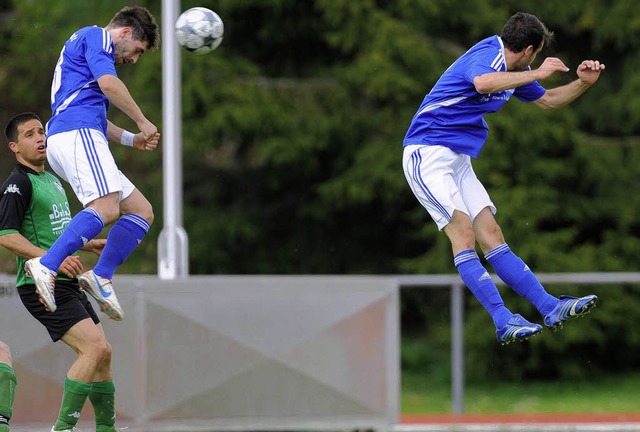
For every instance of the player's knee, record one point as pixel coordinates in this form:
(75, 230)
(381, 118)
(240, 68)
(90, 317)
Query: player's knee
(461, 234)
(107, 207)
(467, 238)
(5, 353)
(105, 357)
(108, 352)
(495, 232)
(490, 237)
(104, 349)
(107, 214)
(111, 215)
(148, 215)
(100, 350)
(145, 211)
(8, 383)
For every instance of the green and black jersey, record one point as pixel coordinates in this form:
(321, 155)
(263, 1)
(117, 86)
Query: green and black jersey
(35, 205)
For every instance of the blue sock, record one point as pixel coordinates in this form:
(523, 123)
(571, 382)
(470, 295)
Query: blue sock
(480, 284)
(83, 227)
(515, 273)
(122, 239)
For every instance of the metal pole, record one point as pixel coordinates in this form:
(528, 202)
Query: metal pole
(141, 359)
(457, 348)
(173, 250)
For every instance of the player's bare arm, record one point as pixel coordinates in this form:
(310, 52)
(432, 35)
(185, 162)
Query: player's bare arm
(588, 73)
(119, 95)
(494, 82)
(19, 245)
(114, 133)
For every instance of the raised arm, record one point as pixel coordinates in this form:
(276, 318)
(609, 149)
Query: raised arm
(588, 73)
(498, 81)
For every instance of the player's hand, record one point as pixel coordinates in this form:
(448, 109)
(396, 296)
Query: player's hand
(589, 71)
(71, 266)
(96, 246)
(141, 143)
(549, 66)
(147, 129)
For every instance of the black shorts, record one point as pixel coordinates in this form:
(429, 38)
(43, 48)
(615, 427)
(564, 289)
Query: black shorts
(73, 307)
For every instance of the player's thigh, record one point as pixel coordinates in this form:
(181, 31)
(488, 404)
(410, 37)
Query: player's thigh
(474, 194)
(82, 157)
(5, 353)
(83, 335)
(136, 203)
(430, 172)
(73, 306)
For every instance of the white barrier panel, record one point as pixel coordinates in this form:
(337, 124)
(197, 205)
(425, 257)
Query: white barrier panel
(230, 353)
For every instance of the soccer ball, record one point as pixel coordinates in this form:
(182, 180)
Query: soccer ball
(199, 30)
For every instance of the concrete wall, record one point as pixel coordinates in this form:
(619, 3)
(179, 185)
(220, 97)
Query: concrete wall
(230, 353)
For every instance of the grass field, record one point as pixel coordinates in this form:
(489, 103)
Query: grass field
(614, 394)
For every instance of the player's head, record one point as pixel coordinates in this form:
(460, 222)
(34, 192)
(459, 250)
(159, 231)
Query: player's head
(27, 140)
(523, 30)
(134, 31)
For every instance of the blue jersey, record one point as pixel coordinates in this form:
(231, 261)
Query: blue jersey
(452, 114)
(76, 98)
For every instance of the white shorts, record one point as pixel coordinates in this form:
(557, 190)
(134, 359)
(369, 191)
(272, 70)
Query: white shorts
(444, 181)
(83, 159)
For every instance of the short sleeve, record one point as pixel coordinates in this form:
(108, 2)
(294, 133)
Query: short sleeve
(14, 201)
(99, 52)
(477, 68)
(530, 92)
(486, 59)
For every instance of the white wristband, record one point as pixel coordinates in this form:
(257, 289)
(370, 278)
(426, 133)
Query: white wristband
(126, 138)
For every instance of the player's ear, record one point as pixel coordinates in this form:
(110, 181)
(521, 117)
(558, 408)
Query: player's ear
(125, 31)
(529, 50)
(13, 146)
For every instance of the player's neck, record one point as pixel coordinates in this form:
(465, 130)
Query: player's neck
(35, 167)
(511, 58)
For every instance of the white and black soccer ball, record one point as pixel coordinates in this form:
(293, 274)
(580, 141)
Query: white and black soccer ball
(199, 30)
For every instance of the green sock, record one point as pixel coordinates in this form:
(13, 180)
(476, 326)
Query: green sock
(102, 398)
(8, 384)
(4, 424)
(73, 398)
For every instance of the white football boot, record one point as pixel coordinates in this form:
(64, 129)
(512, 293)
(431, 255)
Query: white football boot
(45, 281)
(101, 289)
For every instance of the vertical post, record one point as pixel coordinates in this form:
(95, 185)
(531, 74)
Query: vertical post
(457, 348)
(392, 329)
(141, 373)
(173, 247)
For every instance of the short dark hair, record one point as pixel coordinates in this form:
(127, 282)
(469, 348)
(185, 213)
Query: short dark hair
(524, 29)
(11, 130)
(141, 22)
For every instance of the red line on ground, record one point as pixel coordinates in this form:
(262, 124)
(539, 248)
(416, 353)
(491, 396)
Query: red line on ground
(522, 418)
